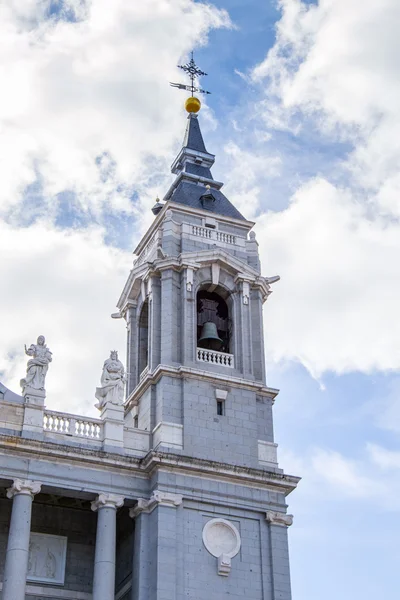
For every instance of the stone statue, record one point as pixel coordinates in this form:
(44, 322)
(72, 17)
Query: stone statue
(37, 366)
(113, 382)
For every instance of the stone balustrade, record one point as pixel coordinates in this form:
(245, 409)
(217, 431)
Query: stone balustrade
(215, 358)
(67, 424)
(214, 236)
(145, 253)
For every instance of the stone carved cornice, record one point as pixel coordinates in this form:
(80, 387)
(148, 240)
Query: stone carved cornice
(277, 518)
(107, 501)
(157, 498)
(24, 486)
(141, 467)
(194, 260)
(189, 372)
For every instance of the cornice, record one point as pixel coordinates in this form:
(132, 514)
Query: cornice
(144, 467)
(182, 372)
(278, 482)
(195, 260)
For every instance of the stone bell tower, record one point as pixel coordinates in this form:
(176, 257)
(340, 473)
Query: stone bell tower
(214, 525)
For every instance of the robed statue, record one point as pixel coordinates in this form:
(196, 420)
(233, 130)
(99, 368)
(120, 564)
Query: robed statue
(37, 366)
(113, 382)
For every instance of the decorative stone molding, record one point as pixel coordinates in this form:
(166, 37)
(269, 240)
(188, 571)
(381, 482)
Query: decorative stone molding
(107, 501)
(215, 379)
(222, 539)
(24, 486)
(221, 395)
(157, 498)
(224, 565)
(245, 281)
(189, 279)
(277, 518)
(246, 292)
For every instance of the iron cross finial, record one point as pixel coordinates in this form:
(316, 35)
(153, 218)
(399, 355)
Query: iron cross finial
(194, 73)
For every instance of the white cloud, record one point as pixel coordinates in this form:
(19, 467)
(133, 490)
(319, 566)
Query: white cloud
(63, 285)
(344, 479)
(248, 170)
(336, 306)
(345, 475)
(333, 72)
(74, 91)
(388, 415)
(384, 458)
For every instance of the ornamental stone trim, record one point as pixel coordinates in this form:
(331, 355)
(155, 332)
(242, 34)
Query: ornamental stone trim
(157, 498)
(104, 500)
(24, 486)
(222, 540)
(277, 518)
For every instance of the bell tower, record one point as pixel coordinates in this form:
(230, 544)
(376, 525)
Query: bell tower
(215, 525)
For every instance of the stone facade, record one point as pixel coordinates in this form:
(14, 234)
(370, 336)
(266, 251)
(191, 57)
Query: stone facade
(177, 495)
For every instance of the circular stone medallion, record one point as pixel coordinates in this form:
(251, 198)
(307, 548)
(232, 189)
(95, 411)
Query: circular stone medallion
(221, 537)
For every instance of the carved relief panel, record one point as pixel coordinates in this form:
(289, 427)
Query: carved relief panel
(47, 556)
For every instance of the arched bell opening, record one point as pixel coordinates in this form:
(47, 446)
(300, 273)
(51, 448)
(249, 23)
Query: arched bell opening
(213, 322)
(143, 338)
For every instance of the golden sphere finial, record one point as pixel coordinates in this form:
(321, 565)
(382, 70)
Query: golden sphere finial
(192, 104)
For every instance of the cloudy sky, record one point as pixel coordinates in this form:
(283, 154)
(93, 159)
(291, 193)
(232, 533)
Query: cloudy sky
(304, 118)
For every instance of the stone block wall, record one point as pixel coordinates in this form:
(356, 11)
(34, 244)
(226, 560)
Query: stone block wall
(231, 437)
(250, 575)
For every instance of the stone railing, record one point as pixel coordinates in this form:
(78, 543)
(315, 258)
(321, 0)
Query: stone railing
(213, 235)
(146, 250)
(144, 373)
(226, 237)
(64, 423)
(215, 358)
(204, 232)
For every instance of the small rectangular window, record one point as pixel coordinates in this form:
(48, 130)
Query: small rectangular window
(136, 421)
(220, 407)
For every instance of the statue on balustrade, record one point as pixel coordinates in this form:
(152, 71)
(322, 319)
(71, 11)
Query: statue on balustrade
(113, 382)
(37, 366)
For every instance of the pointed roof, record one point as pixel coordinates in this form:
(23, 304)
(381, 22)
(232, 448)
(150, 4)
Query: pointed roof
(193, 138)
(194, 179)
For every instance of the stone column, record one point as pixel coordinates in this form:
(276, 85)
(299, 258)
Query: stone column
(244, 329)
(131, 351)
(22, 492)
(280, 570)
(104, 560)
(140, 575)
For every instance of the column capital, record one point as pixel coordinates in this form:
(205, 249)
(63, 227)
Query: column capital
(24, 486)
(277, 518)
(157, 498)
(104, 500)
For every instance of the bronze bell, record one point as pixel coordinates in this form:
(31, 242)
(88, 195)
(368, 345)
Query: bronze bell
(209, 337)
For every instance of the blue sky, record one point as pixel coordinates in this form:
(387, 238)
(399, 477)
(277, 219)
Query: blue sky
(304, 120)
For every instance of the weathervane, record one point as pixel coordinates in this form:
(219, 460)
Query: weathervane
(194, 73)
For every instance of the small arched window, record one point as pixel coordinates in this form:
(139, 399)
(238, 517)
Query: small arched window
(213, 322)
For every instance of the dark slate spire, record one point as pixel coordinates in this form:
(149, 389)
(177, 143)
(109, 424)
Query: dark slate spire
(194, 181)
(193, 138)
